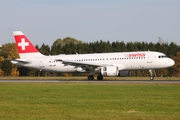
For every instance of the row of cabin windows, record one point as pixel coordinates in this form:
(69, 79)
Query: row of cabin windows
(127, 58)
(90, 59)
(102, 59)
(110, 59)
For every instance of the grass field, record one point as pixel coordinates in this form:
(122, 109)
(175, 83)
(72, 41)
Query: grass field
(86, 101)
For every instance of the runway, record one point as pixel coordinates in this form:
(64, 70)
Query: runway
(95, 81)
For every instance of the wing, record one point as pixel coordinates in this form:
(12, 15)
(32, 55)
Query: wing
(85, 65)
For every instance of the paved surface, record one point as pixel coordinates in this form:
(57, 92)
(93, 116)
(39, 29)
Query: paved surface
(86, 81)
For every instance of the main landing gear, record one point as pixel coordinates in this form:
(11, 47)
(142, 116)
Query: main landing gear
(99, 77)
(151, 75)
(91, 77)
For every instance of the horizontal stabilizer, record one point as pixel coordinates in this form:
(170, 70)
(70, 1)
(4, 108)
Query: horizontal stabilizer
(20, 61)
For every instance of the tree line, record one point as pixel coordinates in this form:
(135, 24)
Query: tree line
(70, 45)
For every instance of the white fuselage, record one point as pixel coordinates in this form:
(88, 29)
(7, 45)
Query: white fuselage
(130, 60)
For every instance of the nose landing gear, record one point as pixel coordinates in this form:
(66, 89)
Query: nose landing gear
(151, 75)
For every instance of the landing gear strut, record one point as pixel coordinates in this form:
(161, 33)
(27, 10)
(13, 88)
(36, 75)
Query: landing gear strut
(91, 76)
(151, 75)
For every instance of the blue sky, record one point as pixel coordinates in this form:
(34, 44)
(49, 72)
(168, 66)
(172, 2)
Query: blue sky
(44, 21)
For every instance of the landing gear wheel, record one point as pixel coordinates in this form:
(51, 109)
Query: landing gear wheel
(99, 77)
(90, 77)
(151, 78)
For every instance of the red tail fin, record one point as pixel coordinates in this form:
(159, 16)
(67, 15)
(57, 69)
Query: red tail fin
(23, 44)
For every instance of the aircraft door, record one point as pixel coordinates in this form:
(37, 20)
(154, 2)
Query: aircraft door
(149, 58)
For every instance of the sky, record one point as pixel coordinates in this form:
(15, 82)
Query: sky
(44, 21)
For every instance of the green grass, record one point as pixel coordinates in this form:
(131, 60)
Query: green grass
(76, 101)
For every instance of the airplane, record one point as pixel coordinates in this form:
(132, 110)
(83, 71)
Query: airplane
(103, 64)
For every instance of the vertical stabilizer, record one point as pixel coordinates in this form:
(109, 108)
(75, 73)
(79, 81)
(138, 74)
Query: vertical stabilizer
(24, 46)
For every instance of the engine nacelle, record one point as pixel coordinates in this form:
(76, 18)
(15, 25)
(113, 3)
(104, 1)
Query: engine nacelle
(79, 69)
(124, 73)
(109, 71)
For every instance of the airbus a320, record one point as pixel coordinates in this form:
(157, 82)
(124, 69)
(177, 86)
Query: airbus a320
(103, 64)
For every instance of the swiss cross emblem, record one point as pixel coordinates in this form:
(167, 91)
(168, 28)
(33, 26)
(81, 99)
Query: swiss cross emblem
(23, 44)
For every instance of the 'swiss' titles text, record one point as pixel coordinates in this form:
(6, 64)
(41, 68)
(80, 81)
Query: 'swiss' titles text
(132, 55)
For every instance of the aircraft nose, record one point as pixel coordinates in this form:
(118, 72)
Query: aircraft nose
(171, 62)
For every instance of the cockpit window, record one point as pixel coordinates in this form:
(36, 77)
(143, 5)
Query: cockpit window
(162, 56)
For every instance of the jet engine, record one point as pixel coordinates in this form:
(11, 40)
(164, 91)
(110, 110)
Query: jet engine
(109, 71)
(79, 69)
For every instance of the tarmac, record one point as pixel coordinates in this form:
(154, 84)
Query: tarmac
(95, 81)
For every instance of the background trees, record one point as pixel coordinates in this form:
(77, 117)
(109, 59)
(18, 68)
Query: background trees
(70, 45)
(8, 51)
(175, 70)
